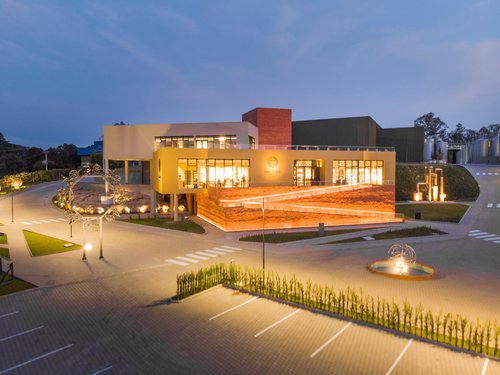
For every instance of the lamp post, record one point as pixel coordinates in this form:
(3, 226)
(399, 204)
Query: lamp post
(263, 241)
(87, 246)
(15, 184)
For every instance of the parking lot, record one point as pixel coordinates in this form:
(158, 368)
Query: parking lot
(239, 333)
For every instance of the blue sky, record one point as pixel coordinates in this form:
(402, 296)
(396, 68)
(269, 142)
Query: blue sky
(69, 67)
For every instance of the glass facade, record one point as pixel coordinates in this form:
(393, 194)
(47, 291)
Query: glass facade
(307, 172)
(350, 172)
(209, 141)
(200, 173)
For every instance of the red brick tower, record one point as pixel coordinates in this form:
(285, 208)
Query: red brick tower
(274, 125)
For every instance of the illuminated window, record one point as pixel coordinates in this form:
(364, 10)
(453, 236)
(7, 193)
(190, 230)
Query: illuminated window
(200, 173)
(307, 172)
(210, 141)
(351, 172)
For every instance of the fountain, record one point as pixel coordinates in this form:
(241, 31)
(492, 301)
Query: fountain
(402, 264)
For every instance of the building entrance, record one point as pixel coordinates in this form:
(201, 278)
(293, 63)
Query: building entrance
(307, 172)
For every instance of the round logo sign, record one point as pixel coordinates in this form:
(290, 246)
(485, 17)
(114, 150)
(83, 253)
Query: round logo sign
(272, 162)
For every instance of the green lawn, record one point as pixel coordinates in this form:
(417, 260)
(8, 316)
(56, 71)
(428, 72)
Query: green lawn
(293, 236)
(40, 244)
(14, 286)
(392, 234)
(185, 226)
(4, 252)
(451, 212)
(3, 238)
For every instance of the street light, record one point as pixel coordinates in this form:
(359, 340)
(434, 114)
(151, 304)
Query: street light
(15, 184)
(86, 247)
(263, 241)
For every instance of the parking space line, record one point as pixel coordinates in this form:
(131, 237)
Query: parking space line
(176, 262)
(197, 256)
(188, 259)
(496, 241)
(233, 308)
(485, 366)
(477, 234)
(225, 250)
(102, 370)
(25, 223)
(399, 357)
(215, 252)
(20, 334)
(35, 359)
(54, 220)
(498, 205)
(232, 248)
(492, 239)
(474, 231)
(206, 254)
(35, 222)
(488, 235)
(490, 205)
(8, 314)
(278, 322)
(330, 340)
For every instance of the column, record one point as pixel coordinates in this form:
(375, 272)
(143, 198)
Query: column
(126, 172)
(152, 203)
(171, 211)
(106, 170)
(176, 207)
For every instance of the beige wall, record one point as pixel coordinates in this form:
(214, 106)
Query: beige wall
(137, 142)
(164, 173)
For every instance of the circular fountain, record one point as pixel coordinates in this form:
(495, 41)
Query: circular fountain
(402, 264)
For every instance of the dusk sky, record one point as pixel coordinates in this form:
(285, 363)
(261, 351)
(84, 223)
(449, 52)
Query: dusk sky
(69, 67)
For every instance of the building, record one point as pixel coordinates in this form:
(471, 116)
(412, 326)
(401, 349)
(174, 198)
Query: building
(230, 172)
(87, 154)
(360, 131)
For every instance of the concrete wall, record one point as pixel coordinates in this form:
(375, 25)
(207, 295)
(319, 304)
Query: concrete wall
(164, 165)
(350, 131)
(137, 142)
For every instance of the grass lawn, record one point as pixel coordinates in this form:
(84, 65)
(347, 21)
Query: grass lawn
(14, 286)
(400, 233)
(3, 238)
(451, 212)
(293, 236)
(185, 226)
(4, 252)
(40, 244)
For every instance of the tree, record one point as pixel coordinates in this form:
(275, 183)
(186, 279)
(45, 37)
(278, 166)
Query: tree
(458, 135)
(433, 126)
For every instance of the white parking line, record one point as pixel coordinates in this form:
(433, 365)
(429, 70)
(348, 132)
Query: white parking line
(484, 174)
(62, 219)
(474, 231)
(102, 370)
(225, 250)
(489, 173)
(35, 222)
(278, 322)
(477, 173)
(20, 334)
(196, 256)
(233, 308)
(489, 205)
(215, 252)
(206, 254)
(485, 366)
(187, 259)
(45, 221)
(487, 235)
(8, 314)
(176, 262)
(54, 220)
(492, 239)
(232, 248)
(35, 359)
(330, 340)
(477, 234)
(498, 205)
(399, 357)
(496, 241)
(25, 223)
